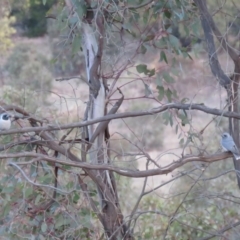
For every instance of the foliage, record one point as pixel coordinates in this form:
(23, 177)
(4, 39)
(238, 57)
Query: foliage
(66, 62)
(202, 197)
(27, 70)
(31, 16)
(201, 209)
(6, 30)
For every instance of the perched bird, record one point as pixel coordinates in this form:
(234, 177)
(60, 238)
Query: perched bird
(229, 145)
(5, 121)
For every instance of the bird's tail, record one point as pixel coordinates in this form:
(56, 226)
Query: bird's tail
(236, 156)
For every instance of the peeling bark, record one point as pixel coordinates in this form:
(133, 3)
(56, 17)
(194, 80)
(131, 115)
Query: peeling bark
(93, 40)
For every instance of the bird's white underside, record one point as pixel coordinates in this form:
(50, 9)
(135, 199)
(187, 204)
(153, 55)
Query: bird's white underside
(5, 124)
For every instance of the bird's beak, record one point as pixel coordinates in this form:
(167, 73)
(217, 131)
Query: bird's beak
(12, 117)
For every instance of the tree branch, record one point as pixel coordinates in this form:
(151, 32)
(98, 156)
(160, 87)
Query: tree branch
(208, 26)
(123, 171)
(152, 111)
(205, 16)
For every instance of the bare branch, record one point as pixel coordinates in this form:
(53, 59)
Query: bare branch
(124, 171)
(152, 111)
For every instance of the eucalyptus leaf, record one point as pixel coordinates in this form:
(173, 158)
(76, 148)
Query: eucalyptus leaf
(174, 41)
(163, 57)
(160, 93)
(168, 78)
(168, 94)
(159, 80)
(142, 68)
(146, 16)
(44, 227)
(76, 45)
(148, 90)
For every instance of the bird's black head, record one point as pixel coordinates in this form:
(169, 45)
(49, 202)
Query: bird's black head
(5, 116)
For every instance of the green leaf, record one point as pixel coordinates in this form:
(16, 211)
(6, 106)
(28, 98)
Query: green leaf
(163, 57)
(186, 29)
(189, 55)
(37, 199)
(142, 68)
(168, 78)
(61, 221)
(6, 210)
(166, 117)
(66, 167)
(46, 179)
(195, 28)
(146, 16)
(151, 72)
(174, 41)
(143, 49)
(175, 72)
(127, 26)
(76, 45)
(148, 38)
(184, 118)
(159, 80)
(136, 16)
(181, 142)
(184, 100)
(148, 90)
(76, 197)
(53, 60)
(168, 94)
(167, 13)
(81, 9)
(73, 20)
(171, 120)
(44, 2)
(9, 189)
(44, 227)
(160, 93)
(28, 192)
(160, 43)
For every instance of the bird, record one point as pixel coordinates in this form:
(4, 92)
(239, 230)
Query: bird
(5, 121)
(228, 144)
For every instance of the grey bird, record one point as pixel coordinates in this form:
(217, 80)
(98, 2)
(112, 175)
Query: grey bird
(5, 121)
(228, 144)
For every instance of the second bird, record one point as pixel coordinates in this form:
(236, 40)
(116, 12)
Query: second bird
(228, 144)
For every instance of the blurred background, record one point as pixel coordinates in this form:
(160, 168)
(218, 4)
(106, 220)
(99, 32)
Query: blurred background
(36, 48)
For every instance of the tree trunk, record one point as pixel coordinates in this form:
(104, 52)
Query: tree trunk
(111, 212)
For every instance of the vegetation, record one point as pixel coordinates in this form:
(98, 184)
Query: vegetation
(125, 144)
(31, 16)
(5, 28)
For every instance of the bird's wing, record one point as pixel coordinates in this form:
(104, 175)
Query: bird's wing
(234, 149)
